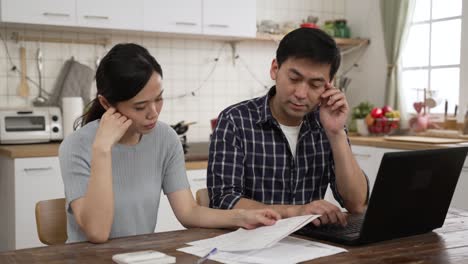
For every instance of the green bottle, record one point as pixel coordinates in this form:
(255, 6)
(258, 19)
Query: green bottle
(342, 30)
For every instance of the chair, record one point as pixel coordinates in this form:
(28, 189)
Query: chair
(202, 197)
(51, 221)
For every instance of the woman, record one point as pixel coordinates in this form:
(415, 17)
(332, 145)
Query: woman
(116, 165)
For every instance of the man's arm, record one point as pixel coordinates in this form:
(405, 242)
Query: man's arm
(350, 180)
(225, 173)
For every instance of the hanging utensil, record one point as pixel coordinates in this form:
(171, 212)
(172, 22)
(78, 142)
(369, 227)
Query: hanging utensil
(39, 100)
(23, 88)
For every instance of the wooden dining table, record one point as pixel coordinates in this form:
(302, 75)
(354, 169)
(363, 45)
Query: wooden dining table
(448, 244)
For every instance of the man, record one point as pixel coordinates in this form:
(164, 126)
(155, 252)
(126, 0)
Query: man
(281, 151)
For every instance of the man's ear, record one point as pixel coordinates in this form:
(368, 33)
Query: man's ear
(103, 101)
(274, 69)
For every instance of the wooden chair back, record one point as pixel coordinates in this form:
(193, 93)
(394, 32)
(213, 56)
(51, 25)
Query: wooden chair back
(202, 197)
(51, 221)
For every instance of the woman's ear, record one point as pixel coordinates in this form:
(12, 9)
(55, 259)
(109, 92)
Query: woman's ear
(103, 101)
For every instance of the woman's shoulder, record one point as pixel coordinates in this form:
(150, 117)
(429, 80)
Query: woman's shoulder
(80, 138)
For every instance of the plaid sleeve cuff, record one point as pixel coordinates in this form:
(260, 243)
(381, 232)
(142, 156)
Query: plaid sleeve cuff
(226, 202)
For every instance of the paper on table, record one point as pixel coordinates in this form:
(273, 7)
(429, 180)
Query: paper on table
(288, 250)
(262, 237)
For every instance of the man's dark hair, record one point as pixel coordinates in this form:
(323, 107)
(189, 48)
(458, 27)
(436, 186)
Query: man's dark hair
(309, 43)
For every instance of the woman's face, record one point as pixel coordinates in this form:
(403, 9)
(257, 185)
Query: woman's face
(144, 108)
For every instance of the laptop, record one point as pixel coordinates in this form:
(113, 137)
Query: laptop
(411, 195)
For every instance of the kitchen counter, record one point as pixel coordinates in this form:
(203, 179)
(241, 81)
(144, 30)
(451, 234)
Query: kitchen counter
(197, 151)
(375, 141)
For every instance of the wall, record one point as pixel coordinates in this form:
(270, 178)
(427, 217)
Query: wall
(368, 80)
(186, 63)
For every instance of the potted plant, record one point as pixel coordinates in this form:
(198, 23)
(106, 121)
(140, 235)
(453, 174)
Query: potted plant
(358, 115)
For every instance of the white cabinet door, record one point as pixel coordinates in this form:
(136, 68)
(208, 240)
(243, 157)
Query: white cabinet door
(113, 14)
(368, 159)
(180, 16)
(460, 197)
(229, 18)
(46, 12)
(36, 179)
(167, 221)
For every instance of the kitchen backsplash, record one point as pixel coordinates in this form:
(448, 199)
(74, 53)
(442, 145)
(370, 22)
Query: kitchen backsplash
(188, 64)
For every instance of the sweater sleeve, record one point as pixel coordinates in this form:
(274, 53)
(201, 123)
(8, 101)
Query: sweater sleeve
(75, 166)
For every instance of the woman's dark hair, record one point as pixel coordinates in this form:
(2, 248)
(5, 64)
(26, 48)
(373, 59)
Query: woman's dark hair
(121, 75)
(309, 43)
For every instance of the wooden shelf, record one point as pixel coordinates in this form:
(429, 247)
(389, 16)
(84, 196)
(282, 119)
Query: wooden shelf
(342, 42)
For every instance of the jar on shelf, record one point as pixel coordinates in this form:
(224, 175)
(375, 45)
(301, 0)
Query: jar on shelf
(329, 27)
(341, 29)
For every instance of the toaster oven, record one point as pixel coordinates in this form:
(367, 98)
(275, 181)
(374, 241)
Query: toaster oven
(31, 125)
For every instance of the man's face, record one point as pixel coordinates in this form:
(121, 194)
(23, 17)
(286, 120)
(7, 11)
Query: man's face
(299, 84)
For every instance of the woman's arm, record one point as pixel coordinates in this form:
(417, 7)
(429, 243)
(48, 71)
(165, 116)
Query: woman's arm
(190, 214)
(94, 212)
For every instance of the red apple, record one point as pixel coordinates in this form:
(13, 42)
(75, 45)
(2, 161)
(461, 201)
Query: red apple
(386, 109)
(376, 112)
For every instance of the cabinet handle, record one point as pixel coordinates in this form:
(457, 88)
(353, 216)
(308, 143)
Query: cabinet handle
(218, 25)
(185, 23)
(38, 169)
(362, 155)
(96, 17)
(55, 14)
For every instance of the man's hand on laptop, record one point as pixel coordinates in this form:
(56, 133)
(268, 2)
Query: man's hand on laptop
(330, 213)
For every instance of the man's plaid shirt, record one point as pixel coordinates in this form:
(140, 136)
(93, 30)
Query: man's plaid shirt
(250, 157)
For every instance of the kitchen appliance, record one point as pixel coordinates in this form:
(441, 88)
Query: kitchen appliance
(30, 125)
(181, 130)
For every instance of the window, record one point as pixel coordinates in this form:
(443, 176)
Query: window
(431, 58)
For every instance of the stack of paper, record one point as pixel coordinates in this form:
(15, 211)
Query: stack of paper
(288, 250)
(267, 244)
(262, 237)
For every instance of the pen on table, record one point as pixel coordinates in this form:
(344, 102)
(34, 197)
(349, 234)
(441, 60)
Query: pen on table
(204, 258)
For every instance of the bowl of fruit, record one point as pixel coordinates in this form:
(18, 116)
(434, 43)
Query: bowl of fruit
(383, 121)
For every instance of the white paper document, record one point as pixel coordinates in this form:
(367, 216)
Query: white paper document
(288, 250)
(261, 237)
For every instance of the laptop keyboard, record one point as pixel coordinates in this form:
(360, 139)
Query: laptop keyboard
(354, 226)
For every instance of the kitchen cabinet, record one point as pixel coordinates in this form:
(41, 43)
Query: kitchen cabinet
(167, 221)
(45, 12)
(369, 159)
(112, 14)
(230, 18)
(124, 14)
(209, 17)
(179, 16)
(24, 182)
